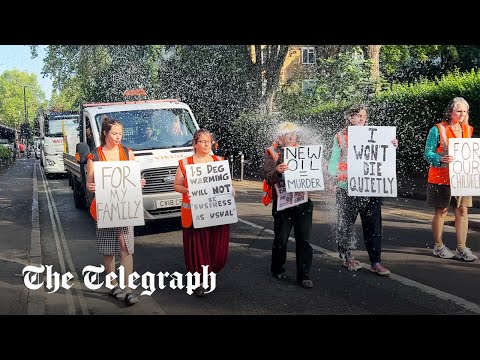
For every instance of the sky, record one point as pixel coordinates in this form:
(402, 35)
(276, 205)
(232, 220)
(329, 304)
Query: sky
(19, 57)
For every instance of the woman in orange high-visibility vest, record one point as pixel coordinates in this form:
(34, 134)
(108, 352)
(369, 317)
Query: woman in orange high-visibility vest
(115, 241)
(203, 246)
(439, 196)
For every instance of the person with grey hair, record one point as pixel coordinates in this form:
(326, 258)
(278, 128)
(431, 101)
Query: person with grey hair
(454, 125)
(299, 217)
(349, 207)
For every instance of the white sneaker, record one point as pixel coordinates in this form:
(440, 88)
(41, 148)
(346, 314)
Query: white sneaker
(465, 255)
(442, 252)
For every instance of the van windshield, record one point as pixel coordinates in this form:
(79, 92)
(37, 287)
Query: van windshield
(55, 126)
(153, 128)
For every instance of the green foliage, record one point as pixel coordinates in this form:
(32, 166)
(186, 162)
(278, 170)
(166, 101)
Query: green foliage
(5, 153)
(215, 80)
(13, 98)
(97, 73)
(345, 78)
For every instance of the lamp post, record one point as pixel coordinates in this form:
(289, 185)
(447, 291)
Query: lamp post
(25, 103)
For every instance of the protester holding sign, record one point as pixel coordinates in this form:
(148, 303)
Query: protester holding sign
(348, 207)
(117, 240)
(297, 216)
(206, 245)
(439, 196)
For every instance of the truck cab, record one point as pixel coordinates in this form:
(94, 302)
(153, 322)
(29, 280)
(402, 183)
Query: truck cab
(159, 132)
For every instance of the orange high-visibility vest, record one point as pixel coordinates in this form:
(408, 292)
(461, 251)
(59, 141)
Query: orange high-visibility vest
(97, 155)
(342, 137)
(186, 211)
(267, 194)
(440, 175)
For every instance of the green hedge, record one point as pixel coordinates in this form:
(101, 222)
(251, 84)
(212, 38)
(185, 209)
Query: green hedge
(5, 154)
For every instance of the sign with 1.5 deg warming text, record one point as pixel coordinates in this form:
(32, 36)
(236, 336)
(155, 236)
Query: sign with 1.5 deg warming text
(118, 193)
(304, 168)
(211, 194)
(371, 161)
(464, 171)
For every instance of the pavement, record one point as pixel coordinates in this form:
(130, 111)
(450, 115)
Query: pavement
(20, 233)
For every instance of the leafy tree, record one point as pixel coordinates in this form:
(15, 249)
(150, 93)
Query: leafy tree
(101, 72)
(17, 89)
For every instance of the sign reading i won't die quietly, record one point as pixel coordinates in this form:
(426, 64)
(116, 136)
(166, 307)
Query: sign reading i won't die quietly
(371, 161)
(464, 171)
(304, 168)
(118, 193)
(211, 194)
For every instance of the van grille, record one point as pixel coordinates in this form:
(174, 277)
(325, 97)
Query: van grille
(159, 180)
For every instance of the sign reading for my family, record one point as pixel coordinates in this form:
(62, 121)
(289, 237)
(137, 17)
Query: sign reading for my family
(464, 171)
(304, 168)
(371, 160)
(118, 193)
(211, 194)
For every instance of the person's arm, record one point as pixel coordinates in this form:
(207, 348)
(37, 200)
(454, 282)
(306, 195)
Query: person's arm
(433, 139)
(178, 183)
(334, 158)
(90, 176)
(270, 170)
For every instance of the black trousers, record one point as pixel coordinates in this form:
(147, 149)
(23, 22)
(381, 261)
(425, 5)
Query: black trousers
(370, 211)
(300, 217)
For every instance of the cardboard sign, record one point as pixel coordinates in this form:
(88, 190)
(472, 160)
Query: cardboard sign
(304, 168)
(118, 194)
(464, 171)
(371, 161)
(211, 194)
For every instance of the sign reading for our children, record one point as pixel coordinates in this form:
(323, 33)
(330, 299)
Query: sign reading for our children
(304, 168)
(371, 160)
(211, 194)
(464, 171)
(118, 193)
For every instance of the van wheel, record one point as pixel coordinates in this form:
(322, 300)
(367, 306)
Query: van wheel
(78, 195)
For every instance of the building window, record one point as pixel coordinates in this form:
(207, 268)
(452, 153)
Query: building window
(308, 55)
(309, 86)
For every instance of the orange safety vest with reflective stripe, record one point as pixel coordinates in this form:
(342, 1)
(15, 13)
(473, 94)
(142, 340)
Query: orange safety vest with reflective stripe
(267, 194)
(439, 175)
(342, 137)
(97, 155)
(186, 211)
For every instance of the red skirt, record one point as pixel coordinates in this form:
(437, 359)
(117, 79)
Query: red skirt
(206, 246)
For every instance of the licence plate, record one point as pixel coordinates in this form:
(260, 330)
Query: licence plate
(168, 203)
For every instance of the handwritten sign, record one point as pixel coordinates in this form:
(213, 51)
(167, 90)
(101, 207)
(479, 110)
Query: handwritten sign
(118, 193)
(304, 168)
(371, 161)
(211, 194)
(464, 171)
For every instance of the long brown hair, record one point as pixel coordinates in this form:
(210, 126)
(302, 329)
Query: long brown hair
(354, 110)
(107, 124)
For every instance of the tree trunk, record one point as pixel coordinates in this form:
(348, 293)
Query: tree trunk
(373, 53)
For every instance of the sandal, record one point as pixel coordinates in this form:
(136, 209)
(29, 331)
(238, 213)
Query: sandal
(131, 299)
(307, 284)
(282, 276)
(200, 291)
(115, 291)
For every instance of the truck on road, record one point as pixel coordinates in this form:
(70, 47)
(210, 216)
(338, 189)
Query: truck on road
(53, 125)
(159, 132)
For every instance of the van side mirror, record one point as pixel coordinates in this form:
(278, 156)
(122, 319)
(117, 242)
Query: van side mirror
(82, 150)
